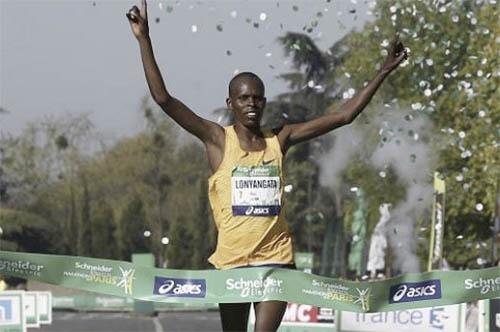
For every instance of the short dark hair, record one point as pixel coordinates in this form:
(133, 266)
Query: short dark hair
(246, 74)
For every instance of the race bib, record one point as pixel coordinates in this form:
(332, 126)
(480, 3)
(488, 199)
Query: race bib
(255, 190)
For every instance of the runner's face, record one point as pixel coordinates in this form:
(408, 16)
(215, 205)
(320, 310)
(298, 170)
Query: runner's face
(247, 102)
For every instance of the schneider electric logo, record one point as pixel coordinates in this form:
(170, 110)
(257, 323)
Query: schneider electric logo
(173, 287)
(255, 287)
(415, 291)
(485, 285)
(21, 267)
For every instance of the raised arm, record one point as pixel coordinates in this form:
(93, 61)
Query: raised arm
(299, 132)
(209, 132)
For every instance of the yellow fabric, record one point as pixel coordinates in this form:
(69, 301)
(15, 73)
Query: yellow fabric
(247, 240)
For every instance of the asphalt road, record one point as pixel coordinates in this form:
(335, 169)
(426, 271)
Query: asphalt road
(110, 322)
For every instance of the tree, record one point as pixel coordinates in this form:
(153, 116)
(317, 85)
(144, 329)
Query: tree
(104, 242)
(131, 228)
(84, 227)
(451, 82)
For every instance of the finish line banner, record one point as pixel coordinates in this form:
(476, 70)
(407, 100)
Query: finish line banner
(253, 284)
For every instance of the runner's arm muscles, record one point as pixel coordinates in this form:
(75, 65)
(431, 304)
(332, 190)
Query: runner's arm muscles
(299, 132)
(207, 131)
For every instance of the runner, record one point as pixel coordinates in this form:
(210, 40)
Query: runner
(246, 185)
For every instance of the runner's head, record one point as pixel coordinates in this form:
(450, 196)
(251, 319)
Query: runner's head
(246, 99)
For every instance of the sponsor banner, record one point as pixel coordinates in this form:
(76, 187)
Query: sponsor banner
(45, 307)
(102, 274)
(174, 287)
(415, 291)
(31, 309)
(434, 319)
(12, 315)
(124, 279)
(494, 321)
(302, 317)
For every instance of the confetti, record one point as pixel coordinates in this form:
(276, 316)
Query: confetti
(228, 52)
(288, 188)
(194, 28)
(219, 27)
(382, 174)
(479, 207)
(234, 14)
(416, 106)
(263, 16)
(427, 92)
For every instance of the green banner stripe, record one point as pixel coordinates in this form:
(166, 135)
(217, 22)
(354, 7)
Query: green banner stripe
(253, 284)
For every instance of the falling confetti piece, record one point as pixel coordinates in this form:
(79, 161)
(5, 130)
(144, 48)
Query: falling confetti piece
(234, 14)
(382, 174)
(288, 188)
(479, 207)
(219, 27)
(459, 177)
(461, 134)
(194, 28)
(157, 20)
(427, 92)
(228, 52)
(482, 114)
(354, 189)
(416, 106)
(263, 16)
(460, 237)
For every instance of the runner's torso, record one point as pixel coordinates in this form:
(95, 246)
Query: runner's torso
(246, 194)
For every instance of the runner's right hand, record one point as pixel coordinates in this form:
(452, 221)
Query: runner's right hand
(138, 20)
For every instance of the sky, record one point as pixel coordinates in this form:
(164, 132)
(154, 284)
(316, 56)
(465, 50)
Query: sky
(59, 57)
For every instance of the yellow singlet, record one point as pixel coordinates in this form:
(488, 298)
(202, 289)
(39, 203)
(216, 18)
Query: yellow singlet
(245, 194)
